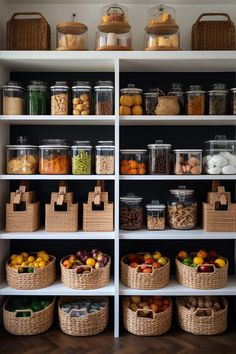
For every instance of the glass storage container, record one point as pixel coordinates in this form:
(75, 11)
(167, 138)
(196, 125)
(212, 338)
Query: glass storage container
(82, 98)
(81, 158)
(113, 41)
(131, 100)
(114, 17)
(155, 215)
(133, 162)
(176, 89)
(105, 158)
(37, 98)
(22, 158)
(104, 98)
(162, 41)
(218, 99)
(182, 209)
(220, 156)
(60, 98)
(233, 101)
(188, 161)
(159, 158)
(72, 36)
(195, 100)
(54, 157)
(131, 212)
(151, 100)
(14, 97)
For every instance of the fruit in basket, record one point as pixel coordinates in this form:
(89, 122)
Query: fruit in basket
(203, 260)
(25, 262)
(148, 304)
(219, 262)
(156, 255)
(99, 265)
(187, 261)
(205, 269)
(198, 260)
(35, 304)
(203, 254)
(203, 304)
(146, 261)
(136, 299)
(162, 261)
(91, 262)
(82, 258)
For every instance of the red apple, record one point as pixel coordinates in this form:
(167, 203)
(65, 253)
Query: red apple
(205, 269)
(156, 265)
(149, 260)
(133, 265)
(213, 254)
(147, 270)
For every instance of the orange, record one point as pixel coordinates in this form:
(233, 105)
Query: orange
(137, 100)
(125, 111)
(133, 171)
(182, 254)
(91, 262)
(202, 254)
(123, 170)
(137, 111)
(141, 171)
(124, 163)
(198, 260)
(126, 100)
(133, 164)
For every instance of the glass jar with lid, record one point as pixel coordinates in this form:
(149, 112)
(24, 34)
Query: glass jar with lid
(188, 161)
(37, 98)
(218, 99)
(151, 100)
(182, 209)
(82, 98)
(159, 158)
(195, 100)
(176, 89)
(220, 156)
(22, 158)
(105, 158)
(60, 98)
(131, 212)
(114, 17)
(82, 158)
(14, 97)
(113, 41)
(72, 36)
(162, 41)
(133, 161)
(155, 215)
(54, 157)
(233, 101)
(131, 99)
(104, 98)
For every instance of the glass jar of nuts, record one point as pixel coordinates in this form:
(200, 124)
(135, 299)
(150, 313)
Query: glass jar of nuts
(155, 215)
(131, 212)
(105, 158)
(81, 98)
(59, 98)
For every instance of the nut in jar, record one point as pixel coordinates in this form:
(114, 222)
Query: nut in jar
(59, 98)
(188, 162)
(155, 215)
(81, 93)
(105, 158)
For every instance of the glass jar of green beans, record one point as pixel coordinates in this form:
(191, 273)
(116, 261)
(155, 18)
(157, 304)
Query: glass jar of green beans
(81, 158)
(37, 98)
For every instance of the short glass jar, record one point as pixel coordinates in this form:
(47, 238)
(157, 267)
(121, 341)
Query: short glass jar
(131, 99)
(82, 158)
(233, 101)
(218, 99)
(60, 98)
(72, 36)
(159, 158)
(195, 100)
(54, 157)
(104, 98)
(22, 158)
(37, 98)
(155, 216)
(182, 209)
(151, 100)
(133, 162)
(113, 41)
(13, 97)
(82, 98)
(105, 158)
(176, 89)
(187, 162)
(131, 212)
(162, 41)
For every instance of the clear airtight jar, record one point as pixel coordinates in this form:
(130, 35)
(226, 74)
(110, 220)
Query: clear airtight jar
(151, 100)
(14, 97)
(54, 157)
(131, 99)
(195, 100)
(104, 98)
(159, 158)
(133, 162)
(72, 36)
(82, 98)
(131, 212)
(81, 158)
(176, 89)
(218, 99)
(233, 101)
(182, 209)
(188, 162)
(113, 41)
(155, 215)
(113, 16)
(60, 98)
(105, 158)
(37, 98)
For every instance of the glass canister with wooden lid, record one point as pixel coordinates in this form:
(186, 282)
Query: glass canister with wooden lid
(72, 36)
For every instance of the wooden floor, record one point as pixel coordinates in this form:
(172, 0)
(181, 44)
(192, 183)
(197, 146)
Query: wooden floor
(176, 341)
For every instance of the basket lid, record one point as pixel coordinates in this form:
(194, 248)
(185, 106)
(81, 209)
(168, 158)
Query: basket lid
(71, 27)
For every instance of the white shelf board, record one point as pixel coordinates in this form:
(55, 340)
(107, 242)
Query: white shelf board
(58, 289)
(177, 177)
(57, 177)
(57, 120)
(178, 120)
(169, 234)
(131, 2)
(175, 289)
(43, 235)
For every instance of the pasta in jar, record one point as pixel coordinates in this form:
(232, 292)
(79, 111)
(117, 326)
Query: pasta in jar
(22, 159)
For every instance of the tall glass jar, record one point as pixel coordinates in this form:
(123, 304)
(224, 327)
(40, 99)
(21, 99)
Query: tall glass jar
(218, 99)
(37, 98)
(105, 158)
(131, 99)
(159, 158)
(131, 212)
(14, 97)
(60, 98)
(104, 97)
(82, 98)
(176, 89)
(151, 100)
(155, 215)
(233, 101)
(182, 209)
(81, 158)
(54, 157)
(195, 100)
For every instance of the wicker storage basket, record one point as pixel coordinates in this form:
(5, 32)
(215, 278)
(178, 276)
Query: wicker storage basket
(40, 278)
(98, 212)
(213, 35)
(22, 213)
(159, 278)
(61, 215)
(97, 278)
(29, 33)
(190, 277)
(189, 321)
(37, 323)
(143, 326)
(90, 325)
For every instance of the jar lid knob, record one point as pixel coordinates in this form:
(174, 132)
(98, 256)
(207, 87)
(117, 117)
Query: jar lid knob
(220, 137)
(182, 187)
(155, 202)
(159, 141)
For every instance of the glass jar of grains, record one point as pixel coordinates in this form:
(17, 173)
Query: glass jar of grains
(218, 99)
(195, 100)
(151, 100)
(104, 98)
(59, 98)
(14, 97)
(105, 158)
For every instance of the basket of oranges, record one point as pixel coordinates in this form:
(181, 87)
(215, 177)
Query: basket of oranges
(28, 271)
(202, 270)
(145, 271)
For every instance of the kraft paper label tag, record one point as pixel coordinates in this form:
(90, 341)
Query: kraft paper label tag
(60, 199)
(97, 195)
(17, 197)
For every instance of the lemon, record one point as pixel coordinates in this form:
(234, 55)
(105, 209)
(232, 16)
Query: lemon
(46, 257)
(220, 262)
(91, 262)
(31, 264)
(137, 100)
(198, 260)
(13, 262)
(24, 254)
(31, 259)
(39, 259)
(13, 257)
(42, 264)
(24, 264)
(41, 253)
(19, 260)
(125, 111)
(36, 265)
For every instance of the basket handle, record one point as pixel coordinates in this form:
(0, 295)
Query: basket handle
(195, 313)
(62, 193)
(24, 185)
(213, 14)
(84, 266)
(26, 267)
(21, 311)
(222, 195)
(115, 7)
(146, 310)
(208, 265)
(27, 14)
(97, 195)
(146, 265)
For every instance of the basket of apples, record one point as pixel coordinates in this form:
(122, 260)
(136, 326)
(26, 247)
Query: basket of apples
(145, 271)
(86, 270)
(202, 270)
(147, 315)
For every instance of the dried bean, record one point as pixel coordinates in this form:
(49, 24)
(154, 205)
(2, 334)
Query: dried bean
(131, 218)
(81, 163)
